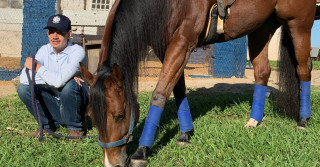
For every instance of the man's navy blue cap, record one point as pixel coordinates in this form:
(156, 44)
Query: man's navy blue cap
(59, 22)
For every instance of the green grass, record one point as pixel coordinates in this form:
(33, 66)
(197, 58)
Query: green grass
(274, 65)
(316, 65)
(219, 138)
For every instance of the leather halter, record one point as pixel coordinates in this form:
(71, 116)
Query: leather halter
(126, 139)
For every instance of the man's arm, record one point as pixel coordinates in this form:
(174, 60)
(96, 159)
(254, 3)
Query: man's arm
(61, 77)
(28, 64)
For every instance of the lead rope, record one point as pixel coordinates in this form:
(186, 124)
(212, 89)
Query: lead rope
(36, 109)
(33, 98)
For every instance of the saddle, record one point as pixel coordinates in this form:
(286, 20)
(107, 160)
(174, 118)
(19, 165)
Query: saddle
(218, 14)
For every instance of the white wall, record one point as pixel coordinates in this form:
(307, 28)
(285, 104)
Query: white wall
(10, 32)
(273, 49)
(72, 4)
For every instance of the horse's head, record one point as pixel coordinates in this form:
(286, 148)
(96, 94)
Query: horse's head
(111, 113)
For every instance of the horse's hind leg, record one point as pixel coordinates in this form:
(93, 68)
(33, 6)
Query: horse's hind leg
(184, 115)
(301, 42)
(258, 42)
(298, 21)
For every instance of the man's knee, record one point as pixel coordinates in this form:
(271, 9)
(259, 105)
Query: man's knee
(70, 88)
(23, 91)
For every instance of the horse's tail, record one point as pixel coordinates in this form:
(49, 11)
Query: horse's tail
(288, 98)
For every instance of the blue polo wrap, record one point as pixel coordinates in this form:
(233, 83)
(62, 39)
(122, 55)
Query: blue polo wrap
(184, 115)
(305, 92)
(150, 126)
(259, 99)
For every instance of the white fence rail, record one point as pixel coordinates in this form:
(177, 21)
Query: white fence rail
(87, 18)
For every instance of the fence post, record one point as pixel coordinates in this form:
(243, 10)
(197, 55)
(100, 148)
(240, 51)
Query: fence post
(229, 59)
(35, 17)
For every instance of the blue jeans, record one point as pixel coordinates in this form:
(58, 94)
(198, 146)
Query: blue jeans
(62, 106)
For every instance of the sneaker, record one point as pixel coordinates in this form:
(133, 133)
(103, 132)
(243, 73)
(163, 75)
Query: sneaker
(75, 133)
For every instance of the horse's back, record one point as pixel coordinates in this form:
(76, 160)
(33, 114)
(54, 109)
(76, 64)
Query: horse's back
(246, 16)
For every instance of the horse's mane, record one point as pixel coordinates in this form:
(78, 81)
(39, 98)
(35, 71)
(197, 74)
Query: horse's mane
(137, 24)
(97, 99)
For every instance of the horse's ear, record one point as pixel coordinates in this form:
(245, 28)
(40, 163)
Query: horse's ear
(117, 74)
(87, 76)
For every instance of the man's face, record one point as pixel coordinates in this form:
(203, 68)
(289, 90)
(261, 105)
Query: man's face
(58, 39)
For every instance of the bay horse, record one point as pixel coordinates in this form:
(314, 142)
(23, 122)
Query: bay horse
(173, 29)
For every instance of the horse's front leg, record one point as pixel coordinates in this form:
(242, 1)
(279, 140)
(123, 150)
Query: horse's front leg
(184, 114)
(258, 42)
(176, 58)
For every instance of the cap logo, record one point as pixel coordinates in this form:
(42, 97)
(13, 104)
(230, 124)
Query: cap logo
(56, 20)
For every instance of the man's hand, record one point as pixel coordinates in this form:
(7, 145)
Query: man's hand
(78, 80)
(28, 64)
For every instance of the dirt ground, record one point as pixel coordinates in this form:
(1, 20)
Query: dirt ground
(10, 63)
(149, 76)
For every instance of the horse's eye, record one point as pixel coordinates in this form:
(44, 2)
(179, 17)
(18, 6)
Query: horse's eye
(120, 116)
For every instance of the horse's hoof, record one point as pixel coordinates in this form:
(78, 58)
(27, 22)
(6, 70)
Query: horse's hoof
(301, 128)
(251, 123)
(138, 163)
(183, 144)
(139, 158)
(303, 122)
(184, 139)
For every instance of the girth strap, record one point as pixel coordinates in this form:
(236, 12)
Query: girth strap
(218, 14)
(211, 33)
(223, 8)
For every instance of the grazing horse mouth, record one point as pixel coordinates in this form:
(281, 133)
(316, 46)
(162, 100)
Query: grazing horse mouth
(123, 160)
(125, 140)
